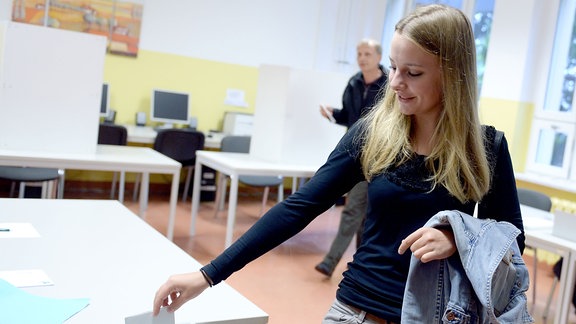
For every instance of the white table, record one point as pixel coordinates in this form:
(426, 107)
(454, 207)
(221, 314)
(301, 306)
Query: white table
(147, 135)
(235, 165)
(108, 158)
(538, 231)
(98, 249)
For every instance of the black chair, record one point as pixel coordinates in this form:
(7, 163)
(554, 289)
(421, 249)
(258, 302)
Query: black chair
(181, 145)
(241, 144)
(47, 178)
(112, 134)
(541, 201)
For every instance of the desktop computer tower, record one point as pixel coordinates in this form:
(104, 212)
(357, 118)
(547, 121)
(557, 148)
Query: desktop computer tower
(207, 184)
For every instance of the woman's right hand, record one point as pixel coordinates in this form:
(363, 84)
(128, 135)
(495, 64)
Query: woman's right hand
(179, 289)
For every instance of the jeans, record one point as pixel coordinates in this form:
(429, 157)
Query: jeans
(351, 222)
(341, 313)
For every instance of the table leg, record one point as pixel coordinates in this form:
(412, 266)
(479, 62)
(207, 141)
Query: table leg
(173, 202)
(566, 288)
(195, 196)
(231, 209)
(144, 184)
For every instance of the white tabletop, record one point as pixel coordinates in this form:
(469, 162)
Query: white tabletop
(246, 164)
(235, 165)
(107, 158)
(98, 249)
(538, 231)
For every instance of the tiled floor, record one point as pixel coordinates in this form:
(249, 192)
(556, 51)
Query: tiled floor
(283, 282)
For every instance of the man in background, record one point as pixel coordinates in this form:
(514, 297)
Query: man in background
(360, 95)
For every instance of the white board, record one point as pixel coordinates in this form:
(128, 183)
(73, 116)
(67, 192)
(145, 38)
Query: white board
(288, 126)
(51, 81)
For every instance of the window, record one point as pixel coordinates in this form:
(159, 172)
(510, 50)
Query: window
(551, 150)
(561, 83)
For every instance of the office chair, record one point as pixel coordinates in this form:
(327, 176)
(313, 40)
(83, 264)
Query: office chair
(241, 144)
(114, 135)
(26, 176)
(541, 201)
(181, 145)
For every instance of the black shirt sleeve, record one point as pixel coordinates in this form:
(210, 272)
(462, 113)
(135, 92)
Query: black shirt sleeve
(501, 202)
(336, 177)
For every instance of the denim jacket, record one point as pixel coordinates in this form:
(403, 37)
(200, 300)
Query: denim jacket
(485, 282)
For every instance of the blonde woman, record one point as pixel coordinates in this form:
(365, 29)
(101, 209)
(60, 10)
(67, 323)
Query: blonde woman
(422, 151)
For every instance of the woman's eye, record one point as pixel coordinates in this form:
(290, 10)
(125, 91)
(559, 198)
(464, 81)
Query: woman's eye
(414, 74)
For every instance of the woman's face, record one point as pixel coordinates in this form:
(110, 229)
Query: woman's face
(415, 76)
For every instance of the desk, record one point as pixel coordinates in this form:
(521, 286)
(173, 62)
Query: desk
(98, 249)
(538, 231)
(147, 135)
(235, 165)
(108, 158)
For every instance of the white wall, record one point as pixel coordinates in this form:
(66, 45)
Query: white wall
(307, 34)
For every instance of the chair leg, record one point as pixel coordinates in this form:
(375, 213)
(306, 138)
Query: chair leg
(549, 300)
(46, 189)
(113, 188)
(280, 192)
(187, 183)
(136, 186)
(12, 189)
(61, 178)
(220, 193)
(264, 200)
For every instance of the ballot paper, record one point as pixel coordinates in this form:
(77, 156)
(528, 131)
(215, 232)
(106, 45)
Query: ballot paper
(164, 317)
(27, 278)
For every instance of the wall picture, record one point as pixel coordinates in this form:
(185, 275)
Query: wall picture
(119, 21)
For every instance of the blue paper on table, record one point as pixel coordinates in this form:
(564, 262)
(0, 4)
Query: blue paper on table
(20, 307)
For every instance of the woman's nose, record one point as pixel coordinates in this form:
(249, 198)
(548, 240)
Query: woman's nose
(396, 82)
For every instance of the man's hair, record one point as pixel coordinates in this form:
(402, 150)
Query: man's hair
(372, 43)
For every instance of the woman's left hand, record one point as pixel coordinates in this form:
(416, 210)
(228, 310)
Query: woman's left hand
(428, 243)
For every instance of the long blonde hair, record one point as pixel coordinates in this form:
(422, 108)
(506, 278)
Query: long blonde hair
(458, 160)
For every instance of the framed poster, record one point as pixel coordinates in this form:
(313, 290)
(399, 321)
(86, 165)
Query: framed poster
(119, 21)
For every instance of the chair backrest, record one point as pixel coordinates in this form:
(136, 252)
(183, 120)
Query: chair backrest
(235, 144)
(179, 144)
(534, 199)
(112, 134)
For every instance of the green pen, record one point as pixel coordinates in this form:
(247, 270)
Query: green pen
(4, 230)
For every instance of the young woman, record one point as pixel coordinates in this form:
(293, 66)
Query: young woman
(422, 151)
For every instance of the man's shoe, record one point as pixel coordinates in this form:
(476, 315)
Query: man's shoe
(324, 269)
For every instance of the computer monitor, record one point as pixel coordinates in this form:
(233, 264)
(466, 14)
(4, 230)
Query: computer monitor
(105, 100)
(169, 107)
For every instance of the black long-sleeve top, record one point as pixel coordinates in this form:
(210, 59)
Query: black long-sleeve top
(399, 202)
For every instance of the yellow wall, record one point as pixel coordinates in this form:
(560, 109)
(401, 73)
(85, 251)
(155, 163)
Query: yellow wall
(132, 80)
(514, 119)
